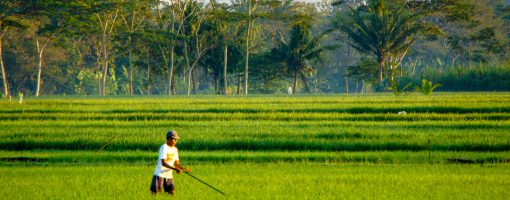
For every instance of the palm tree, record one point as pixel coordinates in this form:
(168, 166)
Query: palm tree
(301, 48)
(384, 29)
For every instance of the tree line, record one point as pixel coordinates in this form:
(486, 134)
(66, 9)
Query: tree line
(169, 47)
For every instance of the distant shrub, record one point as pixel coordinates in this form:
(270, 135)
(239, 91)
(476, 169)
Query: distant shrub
(397, 89)
(426, 87)
(461, 78)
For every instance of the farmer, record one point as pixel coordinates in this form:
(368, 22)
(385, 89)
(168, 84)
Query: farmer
(168, 160)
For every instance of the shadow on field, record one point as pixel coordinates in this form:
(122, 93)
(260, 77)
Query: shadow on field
(257, 145)
(23, 159)
(476, 161)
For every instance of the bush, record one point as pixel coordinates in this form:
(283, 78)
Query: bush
(426, 87)
(458, 78)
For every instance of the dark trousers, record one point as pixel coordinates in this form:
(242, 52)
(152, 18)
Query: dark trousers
(162, 184)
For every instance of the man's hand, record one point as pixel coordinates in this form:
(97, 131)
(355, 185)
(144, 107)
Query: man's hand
(179, 170)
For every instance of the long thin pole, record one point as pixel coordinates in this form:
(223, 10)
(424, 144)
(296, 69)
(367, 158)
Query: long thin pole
(204, 183)
(106, 144)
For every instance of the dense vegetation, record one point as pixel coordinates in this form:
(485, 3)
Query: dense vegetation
(126, 47)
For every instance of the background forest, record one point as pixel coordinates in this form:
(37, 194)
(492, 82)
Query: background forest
(169, 47)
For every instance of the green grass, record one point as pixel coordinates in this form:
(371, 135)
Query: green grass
(260, 147)
(455, 135)
(262, 181)
(459, 122)
(196, 157)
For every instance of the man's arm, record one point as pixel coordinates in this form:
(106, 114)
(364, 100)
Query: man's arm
(168, 166)
(180, 167)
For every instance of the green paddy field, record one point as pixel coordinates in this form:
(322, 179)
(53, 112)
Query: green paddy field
(446, 146)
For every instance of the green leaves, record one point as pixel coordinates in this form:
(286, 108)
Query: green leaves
(13, 21)
(427, 87)
(301, 48)
(397, 89)
(384, 29)
(11, 12)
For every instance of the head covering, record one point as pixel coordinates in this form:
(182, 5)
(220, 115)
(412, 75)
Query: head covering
(172, 134)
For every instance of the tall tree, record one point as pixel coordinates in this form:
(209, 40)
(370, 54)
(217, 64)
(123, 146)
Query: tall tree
(228, 28)
(197, 39)
(106, 13)
(252, 11)
(252, 7)
(11, 15)
(301, 49)
(55, 17)
(384, 29)
(133, 16)
(173, 17)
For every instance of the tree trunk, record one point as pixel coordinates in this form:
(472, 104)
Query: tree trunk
(106, 29)
(357, 86)
(171, 74)
(225, 64)
(246, 62)
(305, 83)
(4, 75)
(40, 51)
(318, 82)
(148, 74)
(39, 74)
(295, 84)
(380, 70)
(105, 60)
(188, 82)
(130, 87)
(217, 85)
(239, 84)
(194, 82)
(346, 85)
(362, 86)
(391, 64)
(99, 72)
(347, 64)
(199, 53)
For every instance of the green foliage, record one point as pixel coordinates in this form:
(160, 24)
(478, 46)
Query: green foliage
(397, 89)
(300, 51)
(479, 77)
(386, 28)
(474, 33)
(365, 70)
(426, 87)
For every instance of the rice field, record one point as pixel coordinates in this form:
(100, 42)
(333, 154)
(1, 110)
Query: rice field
(261, 181)
(261, 147)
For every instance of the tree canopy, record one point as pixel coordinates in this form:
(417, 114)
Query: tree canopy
(169, 47)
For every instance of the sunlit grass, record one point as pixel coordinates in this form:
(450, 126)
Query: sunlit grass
(262, 181)
(260, 147)
(444, 122)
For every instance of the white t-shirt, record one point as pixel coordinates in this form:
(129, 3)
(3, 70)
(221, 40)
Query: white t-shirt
(170, 155)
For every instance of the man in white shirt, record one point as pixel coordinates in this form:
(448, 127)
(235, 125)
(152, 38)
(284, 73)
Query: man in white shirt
(168, 160)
